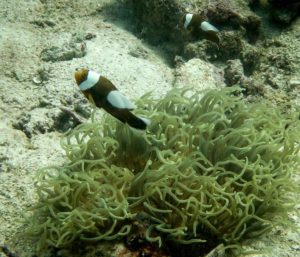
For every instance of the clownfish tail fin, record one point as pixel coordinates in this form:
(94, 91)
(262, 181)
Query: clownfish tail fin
(137, 122)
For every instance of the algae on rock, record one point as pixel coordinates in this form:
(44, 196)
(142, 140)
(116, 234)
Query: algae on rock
(208, 169)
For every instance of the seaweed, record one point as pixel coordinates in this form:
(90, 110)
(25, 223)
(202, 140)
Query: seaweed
(210, 169)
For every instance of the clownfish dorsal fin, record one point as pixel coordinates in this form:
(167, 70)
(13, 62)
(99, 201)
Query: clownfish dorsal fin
(116, 99)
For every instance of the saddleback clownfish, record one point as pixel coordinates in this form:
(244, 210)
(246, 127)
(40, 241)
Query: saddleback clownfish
(198, 26)
(102, 92)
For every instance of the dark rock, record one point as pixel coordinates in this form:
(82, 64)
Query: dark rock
(234, 75)
(42, 75)
(89, 36)
(161, 21)
(44, 120)
(234, 15)
(44, 23)
(250, 58)
(231, 45)
(138, 52)
(284, 11)
(200, 49)
(234, 72)
(75, 48)
(31, 123)
(65, 53)
(157, 20)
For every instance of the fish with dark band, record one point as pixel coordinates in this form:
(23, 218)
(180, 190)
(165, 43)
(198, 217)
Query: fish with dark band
(197, 25)
(102, 92)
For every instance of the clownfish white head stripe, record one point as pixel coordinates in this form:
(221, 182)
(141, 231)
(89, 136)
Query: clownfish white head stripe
(187, 21)
(206, 26)
(102, 92)
(91, 80)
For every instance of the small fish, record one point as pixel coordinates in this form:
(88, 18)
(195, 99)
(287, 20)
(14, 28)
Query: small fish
(102, 92)
(199, 26)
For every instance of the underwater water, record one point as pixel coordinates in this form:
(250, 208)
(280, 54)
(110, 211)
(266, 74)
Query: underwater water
(216, 172)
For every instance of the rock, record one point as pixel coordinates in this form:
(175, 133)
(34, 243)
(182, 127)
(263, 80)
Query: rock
(156, 19)
(33, 122)
(234, 76)
(3, 162)
(138, 52)
(201, 49)
(20, 74)
(231, 45)
(234, 15)
(83, 109)
(65, 53)
(42, 75)
(250, 58)
(294, 83)
(44, 23)
(73, 49)
(89, 36)
(276, 79)
(234, 72)
(43, 120)
(66, 119)
(165, 21)
(284, 11)
(11, 143)
(199, 74)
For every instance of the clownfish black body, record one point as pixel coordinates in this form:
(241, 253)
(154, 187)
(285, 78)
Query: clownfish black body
(197, 25)
(102, 92)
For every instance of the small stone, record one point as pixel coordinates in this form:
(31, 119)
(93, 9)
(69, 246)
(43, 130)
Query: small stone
(43, 23)
(19, 74)
(138, 52)
(43, 102)
(89, 36)
(295, 248)
(36, 80)
(50, 23)
(294, 82)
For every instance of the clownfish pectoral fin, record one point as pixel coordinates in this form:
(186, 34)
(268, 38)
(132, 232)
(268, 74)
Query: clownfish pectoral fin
(91, 99)
(116, 99)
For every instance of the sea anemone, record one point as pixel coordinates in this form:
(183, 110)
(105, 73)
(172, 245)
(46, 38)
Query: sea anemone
(209, 169)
